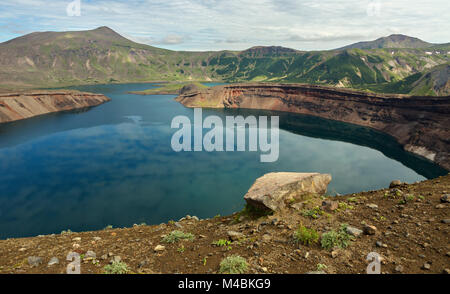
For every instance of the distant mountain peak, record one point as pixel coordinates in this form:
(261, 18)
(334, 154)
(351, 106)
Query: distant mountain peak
(391, 41)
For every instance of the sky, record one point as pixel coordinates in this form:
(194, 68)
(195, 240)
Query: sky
(203, 25)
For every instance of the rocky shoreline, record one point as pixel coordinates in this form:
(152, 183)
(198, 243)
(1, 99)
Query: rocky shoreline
(407, 225)
(23, 105)
(421, 124)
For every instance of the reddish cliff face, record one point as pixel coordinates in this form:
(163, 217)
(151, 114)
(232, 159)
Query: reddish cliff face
(420, 124)
(17, 106)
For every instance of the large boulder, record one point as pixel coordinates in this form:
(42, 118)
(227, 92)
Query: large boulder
(271, 191)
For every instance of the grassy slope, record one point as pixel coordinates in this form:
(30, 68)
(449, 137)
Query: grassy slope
(170, 88)
(52, 59)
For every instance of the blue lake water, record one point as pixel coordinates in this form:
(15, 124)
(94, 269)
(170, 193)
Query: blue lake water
(114, 165)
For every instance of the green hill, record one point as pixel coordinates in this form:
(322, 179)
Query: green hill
(56, 59)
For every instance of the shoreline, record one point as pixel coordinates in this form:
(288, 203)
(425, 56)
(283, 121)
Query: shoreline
(23, 105)
(421, 124)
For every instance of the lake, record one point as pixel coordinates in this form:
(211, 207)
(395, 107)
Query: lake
(114, 165)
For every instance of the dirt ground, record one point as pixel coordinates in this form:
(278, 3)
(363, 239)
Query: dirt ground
(412, 236)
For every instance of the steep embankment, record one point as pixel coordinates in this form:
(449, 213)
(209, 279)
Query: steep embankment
(17, 106)
(420, 123)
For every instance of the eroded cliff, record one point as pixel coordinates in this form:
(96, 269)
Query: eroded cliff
(420, 123)
(17, 106)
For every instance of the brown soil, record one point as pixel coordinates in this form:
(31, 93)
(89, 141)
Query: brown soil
(412, 234)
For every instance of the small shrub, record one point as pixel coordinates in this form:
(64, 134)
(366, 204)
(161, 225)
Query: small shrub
(108, 227)
(333, 238)
(176, 236)
(344, 206)
(321, 267)
(118, 268)
(306, 236)
(223, 243)
(315, 213)
(234, 264)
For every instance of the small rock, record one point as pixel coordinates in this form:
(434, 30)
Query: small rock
(399, 268)
(354, 231)
(266, 238)
(195, 218)
(446, 221)
(372, 206)
(264, 269)
(22, 249)
(34, 261)
(297, 206)
(446, 271)
(445, 198)
(77, 239)
(334, 254)
(53, 261)
(395, 183)
(426, 266)
(76, 246)
(234, 236)
(90, 254)
(97, 238)
(116, 258)
(330, 205)
(440, 206)
(159, 248)
(369, 230)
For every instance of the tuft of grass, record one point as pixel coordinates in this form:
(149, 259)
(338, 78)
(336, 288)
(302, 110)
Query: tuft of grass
(344, 206)
(321, 267)
(223, 243)
(338, 238)
(314, 213)
(306, 236)
(234, 264)
(118, 268)
(176, 236)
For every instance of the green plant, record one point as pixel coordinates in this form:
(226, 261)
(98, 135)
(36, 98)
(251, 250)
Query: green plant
(181, 249)
(119, 268)
(223, 243)
(234, 264)
(176, 236)
(321, 267)
(352, 199)
(306, 236)
(108, 227)
(315, 212)
(338, 238)
(344, 206)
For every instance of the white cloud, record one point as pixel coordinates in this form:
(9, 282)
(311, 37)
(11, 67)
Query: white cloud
(236, 24)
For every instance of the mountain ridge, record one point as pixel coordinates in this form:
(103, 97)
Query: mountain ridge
(56, 59)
